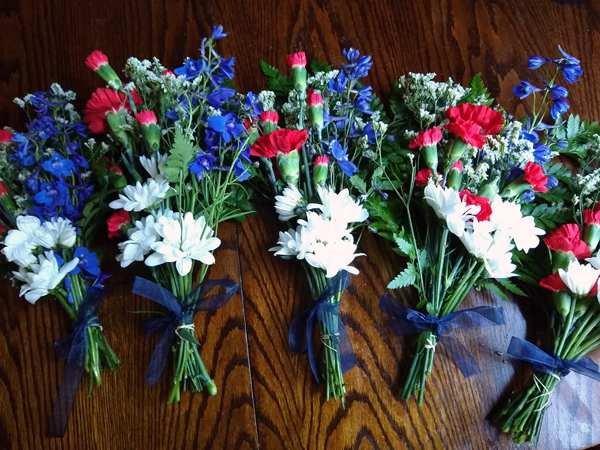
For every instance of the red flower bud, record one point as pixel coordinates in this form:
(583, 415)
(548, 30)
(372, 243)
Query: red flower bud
(167, 72)
(114, 222)
(458, 165)
(269, 116)
(314, 100)
(591, 217)
(145, 118)
(296, 60)
(5, 136)
(426, 138)
(95, 60)
(321, 160)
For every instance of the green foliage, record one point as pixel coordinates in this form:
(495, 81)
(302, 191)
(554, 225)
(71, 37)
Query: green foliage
(547, 217)
(477, 90)
(277, 82)
(407, 277)
(577, 133)
(180, 155)
(316, 65)
(511, 287)
(359, 184)
(491, 286)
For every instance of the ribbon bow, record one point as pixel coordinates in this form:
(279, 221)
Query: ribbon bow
(302, 326)
(74, 347)
(181, 314)
(407, 321)
(550, 364)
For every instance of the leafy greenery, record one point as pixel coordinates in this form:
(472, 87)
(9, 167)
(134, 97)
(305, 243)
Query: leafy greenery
(277, 82)
(180, 155)
(477, 91)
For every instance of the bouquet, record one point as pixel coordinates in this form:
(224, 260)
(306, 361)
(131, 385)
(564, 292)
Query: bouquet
(567, 267)
(332, 125)
(54, 179)
(447, 191)
(183, 143)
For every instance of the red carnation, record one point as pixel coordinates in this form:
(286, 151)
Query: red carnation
(554, 283)
(314, 100)
(422, 177)
(310, 91)
(167, 72)
(469, 131)
(426, 138)
(485, 209)
(591, 217)
(534, 175)
(269, 116)
(3, 190)
(103, 101)
(145, 118)
(567, 239)
(296, 60)
(490, 120)
(5, 136)
(279, 141)
(321, 160)
(114, 222)
(96, 60)
(116, 169)
(458, 165)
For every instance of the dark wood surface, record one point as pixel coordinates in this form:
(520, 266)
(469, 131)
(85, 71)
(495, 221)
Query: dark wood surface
(267, 397)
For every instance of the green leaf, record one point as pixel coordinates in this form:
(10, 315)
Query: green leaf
(511, 287)
(423, 260)
(316, 65)
(407, 277)
(276, 81)
(358, 183)
(491, 286)
(572, 127)
(180, 155)
(477, 89)
(405, 247)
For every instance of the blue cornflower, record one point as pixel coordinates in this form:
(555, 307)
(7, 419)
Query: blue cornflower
(54, 194)
(541, 153)
(58, 165)
(524, 88)
(528, 196)
(88, 261)
(217, 32)
(202, 165)
(341, 156)
(228, 125)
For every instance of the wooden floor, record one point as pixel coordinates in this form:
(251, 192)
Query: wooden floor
(267, 396)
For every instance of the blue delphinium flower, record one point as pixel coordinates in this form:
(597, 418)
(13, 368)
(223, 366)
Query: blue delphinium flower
(524, 88)
(228, 125)
(191, 69)
(541, 153)
(219, 96)
(88, 261)
(217, 32)
(58, 165)
(341, 156)
(52, 195)
(552, 182)
(528, 196)
(535, 62)
(202, 164)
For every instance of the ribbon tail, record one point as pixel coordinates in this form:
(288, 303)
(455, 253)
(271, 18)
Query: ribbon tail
(296, 335)
(584, 366)
(69, 384)
(347, 357)
(310, 324)
(159, 357)
(461, 356)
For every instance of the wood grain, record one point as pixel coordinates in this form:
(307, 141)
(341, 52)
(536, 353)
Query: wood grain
(267, 397)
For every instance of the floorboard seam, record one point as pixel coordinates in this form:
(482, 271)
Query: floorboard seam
(237, 241)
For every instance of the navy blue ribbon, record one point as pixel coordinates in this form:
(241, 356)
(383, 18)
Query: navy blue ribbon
(302, 326)
(551, 364)
(74, 347)
(407, 321)
(181, 314)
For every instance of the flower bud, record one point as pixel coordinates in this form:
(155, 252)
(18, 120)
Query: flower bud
(454, 179)
(561, 260)
(591, 236)
(118, 223)
(320, 170)
(562, 302)
(457, 150)
(115, 121)
(6, 137)
(98, 62)
(583, 304)
(289, 166)
(6, 199)
(148, 121)
(427, 142)
(297, 62)
(315, 110)
(489, 189)
(269, 120)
